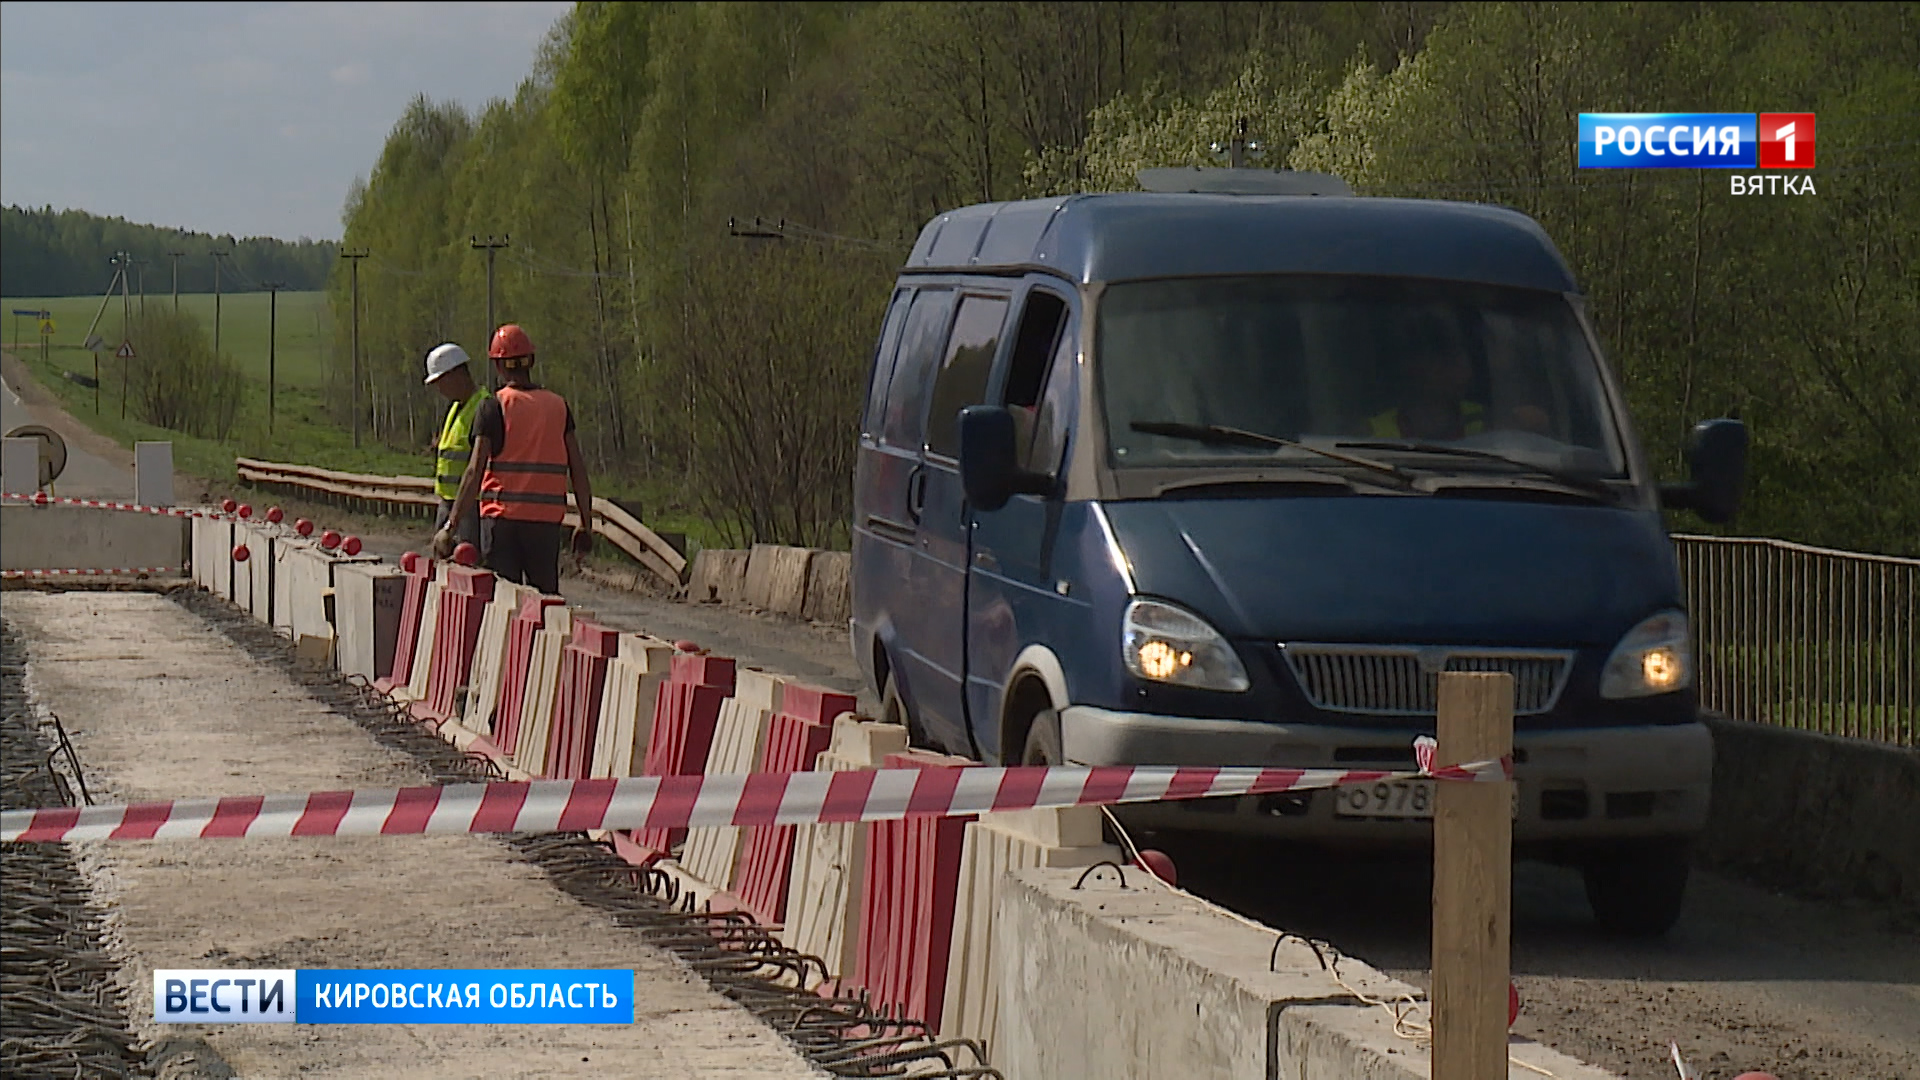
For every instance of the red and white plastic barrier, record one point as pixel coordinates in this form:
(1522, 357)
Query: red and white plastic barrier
(122, 571)
(680, 802)
(44, 499)
(802, 729)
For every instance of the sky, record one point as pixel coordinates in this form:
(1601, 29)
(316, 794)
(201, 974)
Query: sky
(243, 118)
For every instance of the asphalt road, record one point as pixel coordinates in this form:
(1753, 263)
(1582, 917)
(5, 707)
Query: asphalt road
(88, 474)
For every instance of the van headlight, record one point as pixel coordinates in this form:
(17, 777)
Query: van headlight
(1655, 657)
(1163, 643)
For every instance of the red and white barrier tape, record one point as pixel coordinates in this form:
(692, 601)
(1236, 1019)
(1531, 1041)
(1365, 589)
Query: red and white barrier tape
(43, 499)
(674, 802)
(120, 571)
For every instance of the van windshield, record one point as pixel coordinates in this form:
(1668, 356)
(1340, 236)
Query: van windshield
(1389, 363)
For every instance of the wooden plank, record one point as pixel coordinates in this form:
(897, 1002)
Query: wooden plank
(1472, 881)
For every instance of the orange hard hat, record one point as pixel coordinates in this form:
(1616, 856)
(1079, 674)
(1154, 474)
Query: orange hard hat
(510, 342)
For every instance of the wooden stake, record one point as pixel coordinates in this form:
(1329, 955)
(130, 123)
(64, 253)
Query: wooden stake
(1472, 881)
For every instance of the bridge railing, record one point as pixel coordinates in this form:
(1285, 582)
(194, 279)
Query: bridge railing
(1806, 637)
(414, 495)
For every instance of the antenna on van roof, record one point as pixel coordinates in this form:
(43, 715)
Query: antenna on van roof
(1237, 178)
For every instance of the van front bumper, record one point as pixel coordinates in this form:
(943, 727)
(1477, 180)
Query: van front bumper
(1575, 785)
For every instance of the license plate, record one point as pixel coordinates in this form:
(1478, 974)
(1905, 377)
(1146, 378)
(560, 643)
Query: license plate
(1385, 799)
(1393, 799)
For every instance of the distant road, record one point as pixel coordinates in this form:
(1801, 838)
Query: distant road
(88, 474)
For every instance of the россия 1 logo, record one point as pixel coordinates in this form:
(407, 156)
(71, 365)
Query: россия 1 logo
(1705, 141)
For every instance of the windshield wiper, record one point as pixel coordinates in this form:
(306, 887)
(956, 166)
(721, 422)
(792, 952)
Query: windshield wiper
(1219, 435)
(1589, 484)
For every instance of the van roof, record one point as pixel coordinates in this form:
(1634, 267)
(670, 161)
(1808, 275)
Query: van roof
(1129, 236)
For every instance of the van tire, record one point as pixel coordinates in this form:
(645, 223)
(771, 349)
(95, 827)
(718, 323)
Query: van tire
(1637, 890)
(1043, 741)
(893, 710)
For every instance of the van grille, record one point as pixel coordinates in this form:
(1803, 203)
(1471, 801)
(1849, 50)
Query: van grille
(1401, 680)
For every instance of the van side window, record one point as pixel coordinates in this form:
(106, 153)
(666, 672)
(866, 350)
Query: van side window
(920, 341)
(963, 377)
(883, 355)
(1054, 415)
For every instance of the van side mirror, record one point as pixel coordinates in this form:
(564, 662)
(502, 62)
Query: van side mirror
(1717, 464)
(990, 471)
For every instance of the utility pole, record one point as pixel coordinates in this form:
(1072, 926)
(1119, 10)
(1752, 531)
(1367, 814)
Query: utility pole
(141, 265)
(355, 257)
(126, 331)
(273, 337)
(176, 256)
(217, 256)
(491, 247)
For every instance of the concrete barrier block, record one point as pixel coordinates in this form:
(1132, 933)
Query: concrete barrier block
(368, 598)
(994, 846)
(309, 576)
(153, 473)
(262, 558)
(1137, 981)
(829, 588)
(824, 889)
(212, 544)
(787, 580)
(20, 468)
(718, 576)
(57, 537)
(713, 854)
(758, 589)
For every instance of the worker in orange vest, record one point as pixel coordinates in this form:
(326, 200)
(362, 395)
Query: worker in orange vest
(524, 454)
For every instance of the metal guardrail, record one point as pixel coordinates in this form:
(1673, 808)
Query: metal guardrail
(414, 495)
(1806, 637)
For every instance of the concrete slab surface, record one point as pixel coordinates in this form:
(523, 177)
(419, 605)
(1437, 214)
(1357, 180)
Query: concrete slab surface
(160, 705)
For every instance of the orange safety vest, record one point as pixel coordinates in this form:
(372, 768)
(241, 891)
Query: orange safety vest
(531, 484)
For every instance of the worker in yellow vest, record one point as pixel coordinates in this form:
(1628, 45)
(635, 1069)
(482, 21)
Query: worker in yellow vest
(447, 372)
(524, 455)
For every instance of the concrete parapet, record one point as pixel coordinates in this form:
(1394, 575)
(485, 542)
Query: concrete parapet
(1105, 981)
(1815, 814)
(57, 537)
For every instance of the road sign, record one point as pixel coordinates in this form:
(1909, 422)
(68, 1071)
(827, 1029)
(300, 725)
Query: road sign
(46, 326)
(94, 344)
(35, 312)
(125, 351)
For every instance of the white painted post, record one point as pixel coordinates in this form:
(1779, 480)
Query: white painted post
(20, 466)
(153, 473)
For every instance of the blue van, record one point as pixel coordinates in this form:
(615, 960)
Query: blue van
(1221, 479)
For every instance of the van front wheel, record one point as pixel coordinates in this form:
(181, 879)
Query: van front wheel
(1043, 741)
(1636, 890)
(893, 710)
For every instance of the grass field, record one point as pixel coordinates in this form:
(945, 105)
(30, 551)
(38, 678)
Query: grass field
(301, 431)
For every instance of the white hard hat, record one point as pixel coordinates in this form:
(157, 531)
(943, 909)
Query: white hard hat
(444, 358)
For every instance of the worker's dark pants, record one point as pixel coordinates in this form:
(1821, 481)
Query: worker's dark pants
(523, 552)
(468, 531)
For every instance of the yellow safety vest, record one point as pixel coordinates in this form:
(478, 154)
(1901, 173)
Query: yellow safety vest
(456, 444)
(1387, 424)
